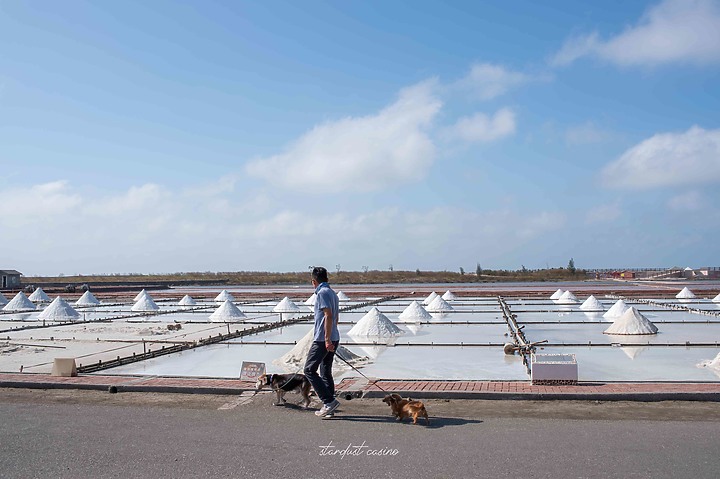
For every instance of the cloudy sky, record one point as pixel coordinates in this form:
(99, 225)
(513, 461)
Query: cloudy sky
(224, 136)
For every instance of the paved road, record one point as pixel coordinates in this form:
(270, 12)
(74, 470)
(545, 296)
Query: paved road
(88, 434)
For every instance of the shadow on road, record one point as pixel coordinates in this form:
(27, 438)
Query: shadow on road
(435, 422)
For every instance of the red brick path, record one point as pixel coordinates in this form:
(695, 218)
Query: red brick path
(709, 391)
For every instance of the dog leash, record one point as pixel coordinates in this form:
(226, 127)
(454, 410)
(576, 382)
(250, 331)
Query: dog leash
(361, 374)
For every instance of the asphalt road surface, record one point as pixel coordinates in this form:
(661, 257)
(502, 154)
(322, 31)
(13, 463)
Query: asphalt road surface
(87, 434)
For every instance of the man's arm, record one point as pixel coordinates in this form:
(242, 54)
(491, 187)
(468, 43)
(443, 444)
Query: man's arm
(328, 329)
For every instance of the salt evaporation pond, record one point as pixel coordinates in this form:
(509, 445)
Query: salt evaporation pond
(439, 348)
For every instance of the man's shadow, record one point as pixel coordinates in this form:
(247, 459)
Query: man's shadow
(436, 422)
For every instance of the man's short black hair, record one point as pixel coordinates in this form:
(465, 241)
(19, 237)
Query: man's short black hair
(319, 274)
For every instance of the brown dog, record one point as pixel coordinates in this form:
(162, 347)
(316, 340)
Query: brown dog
(402, 408)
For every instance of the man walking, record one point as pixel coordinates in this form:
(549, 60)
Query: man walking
(325, 341)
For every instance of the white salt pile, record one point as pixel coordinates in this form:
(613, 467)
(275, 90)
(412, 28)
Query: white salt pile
(592, 304)
(311, 300)
(712, 364)
(375, 324)
(567, 298)
(342, 296)
(4, 301)
(140, 295)
(632, 322)
(145, 303)
(414, 312)
(298, 355)
(59, 310)
(19, 303)
(286, 306)
(187, 300)
(39, 296)
(224, 296)
(557, 294)
(685, 294)
(227, 312)
(439, 305)
(449, 296)
(87, 299)
(431, 297)
(716, 299)
(616, 310)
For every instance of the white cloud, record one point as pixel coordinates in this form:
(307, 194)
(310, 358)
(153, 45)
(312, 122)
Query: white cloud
(43, 200)
(151, 228)
(360, 154)
(690, 201)
(673, 31)
(668, 159)
(138, 199)
(603, 213)
(483, 128)
(486, 81)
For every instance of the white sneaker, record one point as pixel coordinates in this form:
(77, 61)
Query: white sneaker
(327, 409)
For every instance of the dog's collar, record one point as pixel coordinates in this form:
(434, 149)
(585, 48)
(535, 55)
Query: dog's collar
(269, 378)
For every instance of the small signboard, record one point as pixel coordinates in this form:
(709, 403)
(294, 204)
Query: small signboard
(251, 370)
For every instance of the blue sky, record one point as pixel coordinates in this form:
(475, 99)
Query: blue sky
(223, 136)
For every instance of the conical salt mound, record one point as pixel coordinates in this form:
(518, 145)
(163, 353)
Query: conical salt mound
(414, 312)
(4, 301)
(567, 298)
(375, 324)
(140, 295)
(449, 296)
(311, 300)
(59, 310)
(87, 299)
(716, 299)
(224, 296)
(145, 303)
(632, 322)
(439, 305)
(19, 303)
(227, 312)
(713, 363)
(617, 310)
(342, 296)
(187, 300)
(557, 294)
(592, 304)
(286, 306)
(298, 355)
(685, 294)
(431, 297)
(39, 296)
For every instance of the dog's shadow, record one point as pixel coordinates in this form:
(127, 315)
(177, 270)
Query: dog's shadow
(435, 421)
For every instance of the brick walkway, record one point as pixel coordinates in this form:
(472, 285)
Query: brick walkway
(417, 389)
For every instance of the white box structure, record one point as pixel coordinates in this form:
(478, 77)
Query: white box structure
(553, 369)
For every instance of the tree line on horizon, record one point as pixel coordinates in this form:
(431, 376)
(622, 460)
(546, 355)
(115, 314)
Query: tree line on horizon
(339, 276)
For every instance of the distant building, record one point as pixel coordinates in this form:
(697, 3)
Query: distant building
(9, 278)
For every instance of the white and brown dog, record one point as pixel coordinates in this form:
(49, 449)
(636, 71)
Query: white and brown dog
(282, 383)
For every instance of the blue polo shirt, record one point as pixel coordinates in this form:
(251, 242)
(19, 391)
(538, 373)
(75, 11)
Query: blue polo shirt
(326, 298)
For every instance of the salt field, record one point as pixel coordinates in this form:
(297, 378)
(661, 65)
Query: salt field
(392, 331)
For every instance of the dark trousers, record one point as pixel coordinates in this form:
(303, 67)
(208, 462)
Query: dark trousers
(320, 358)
